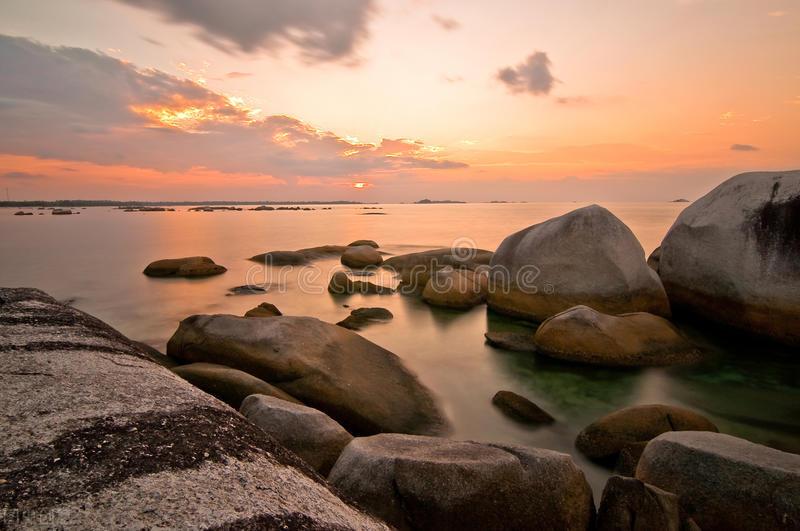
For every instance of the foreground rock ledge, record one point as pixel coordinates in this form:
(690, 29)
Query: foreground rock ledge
(97, 436)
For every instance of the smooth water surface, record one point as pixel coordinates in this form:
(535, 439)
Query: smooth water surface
(96, 259)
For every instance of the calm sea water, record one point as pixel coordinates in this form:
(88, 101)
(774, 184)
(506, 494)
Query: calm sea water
(95, 260)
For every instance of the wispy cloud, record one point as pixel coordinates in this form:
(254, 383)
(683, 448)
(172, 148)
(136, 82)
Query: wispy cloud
(743, 147)
(446, 23)
(532, 76)
(238, 75)
(22, 175)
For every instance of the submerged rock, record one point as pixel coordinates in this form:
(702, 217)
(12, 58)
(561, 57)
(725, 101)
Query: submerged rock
(315, 437)
(584, 335)
(247, 289)
(733, 256)
(97, 437)
(587, 256)
(431, 483)
(606, 437)
(630, 504)
(231, 386)
(192, 266)
(725, 483)
(520, 408)
(516, 341)
(265, 309)
(342, 284)
(361, 317)
(361, 385)
(361, 256)
(280, 258)
(459, 289)
(23, 213)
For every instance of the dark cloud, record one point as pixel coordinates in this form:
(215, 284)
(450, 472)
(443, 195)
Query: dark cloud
(743, 147)
(75, 104)
(323, 30)
(237, 75)
(22, 175)
(532, 76)
(446, 23)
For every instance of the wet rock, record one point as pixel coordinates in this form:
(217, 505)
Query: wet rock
(280, 258)
(23, 213)
(415, 269)
(361, 256)
(628, 458)
(431, 483)
(520, 408)
(231, 386)
(725, 483)
(459, 289)
(315, 437)
(193, 266)
(516, 341)
(342, 284)
(586, 256)
(371, 243)
(630, 504)
(606, 437)
(361, 317)
(584, 335)
(62, 212)
(247, 289)
(265, 309)
(98, 437)
(733, 256)
(359, 384)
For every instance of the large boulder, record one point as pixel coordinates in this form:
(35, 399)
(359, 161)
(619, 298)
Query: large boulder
(311, 434)
(725, 483)
(632, 505)
(96, 437)
(604, 438)
(361, 256)
(586, 256)
(431, 483)
(362, 386)
(192, 266)
(459, 289)
(640, 339)
(231, 386)
(733, 256)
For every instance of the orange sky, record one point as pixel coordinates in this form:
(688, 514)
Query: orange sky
(508, 100)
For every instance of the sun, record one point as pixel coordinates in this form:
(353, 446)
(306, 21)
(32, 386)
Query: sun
(359, 185)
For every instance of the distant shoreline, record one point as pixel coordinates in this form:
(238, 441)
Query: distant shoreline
(110, 203)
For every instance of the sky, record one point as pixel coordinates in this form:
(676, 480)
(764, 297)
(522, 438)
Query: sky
(395, 100)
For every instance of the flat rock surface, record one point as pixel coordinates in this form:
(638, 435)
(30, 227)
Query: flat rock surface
(97, 436)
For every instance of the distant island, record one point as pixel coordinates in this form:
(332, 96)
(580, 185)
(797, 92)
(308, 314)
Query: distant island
(680, 201)
(436, 201)
(123, 204)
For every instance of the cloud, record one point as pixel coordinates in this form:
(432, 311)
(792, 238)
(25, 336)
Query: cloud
(574, 100)
(22, 175)
(743, 147)
(446, 23)
(237, 75)
(452, 79)
(326, 30)
(78, 105)
(154, 42)
(531, 76)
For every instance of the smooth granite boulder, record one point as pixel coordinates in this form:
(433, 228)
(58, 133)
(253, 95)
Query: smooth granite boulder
(265, 309)
(587, 256)
(520, 408)
(415, 269)
(98, 437)
(725, 483)
(640, 339)
(192, 266)
(607, 436)
(733, 256)
(459, 289)
(632, 505)
(315, 437)
(417, 482)
(362, 386)
(231, 386)
(361, 256)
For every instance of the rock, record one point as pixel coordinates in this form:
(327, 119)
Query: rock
(371, 243)
(323, 251)
(341, 284)
(23, 213)
(62, 212)
(654, 259)
(280, 258)
(193, 266)
(231, 386)
(361, 317)
(315, 437)
(606, 437)
(361, 385)
(361, 256)
(415, 269)
(586, 256)
(640, 339)
(459, 289)
(247, 289)
(263, 208)
(431, 483)
(149, 352)
(630, 504)
(725, 483)
(265, 309)
(516, 341)
(520, 408)
(733, 256)
(96, 437)
(628, 458)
